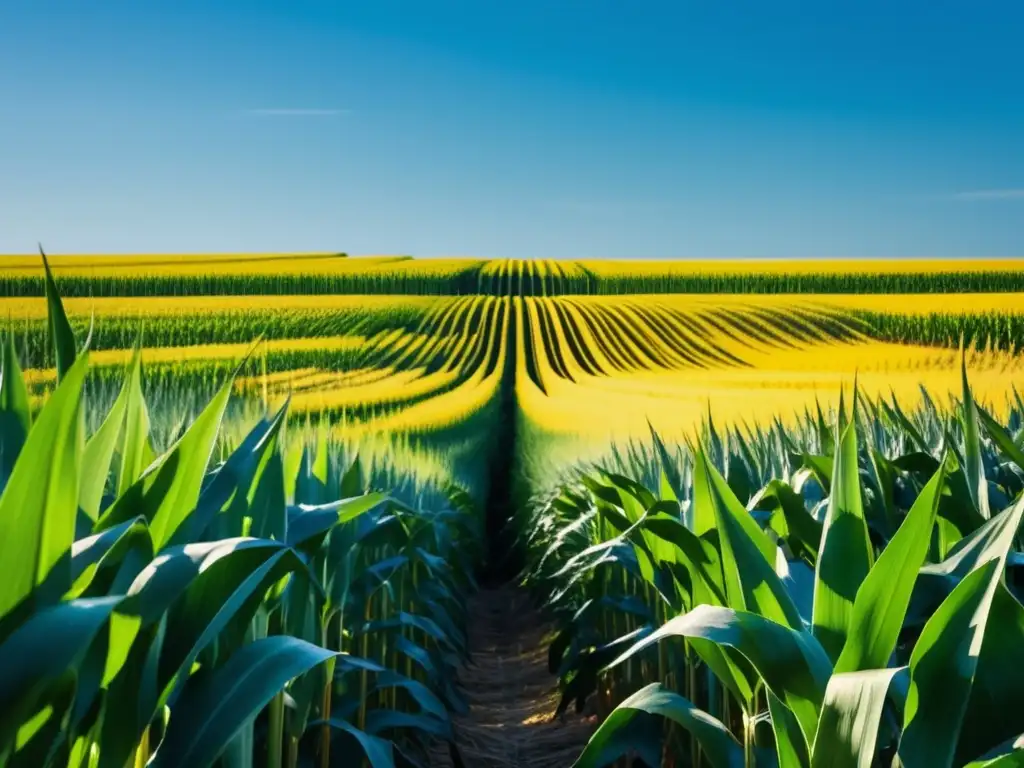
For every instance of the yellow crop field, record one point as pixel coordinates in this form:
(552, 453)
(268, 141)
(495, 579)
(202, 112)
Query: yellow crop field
(639, 267)
(179, 265)
(417, 364)
(34, 308)
(599, 429)
(559, 341)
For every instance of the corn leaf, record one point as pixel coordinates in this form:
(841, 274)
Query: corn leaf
(848, 727)
(944, 662)
(99, 450)
(168, 491)
(613, 740)
(973, 464)
(40, 651)
(802, 532)
(216, 704)
(15, 413)
(1009, 754)
(846, 556)
(997, 697)
(748, 555)
(226, 496)
(791, 747)
(1001, 438)
(62, 336)
(135, 450)
(40, 502)
(94, 552)
(379, 753)
(792, 664)
(882, 600)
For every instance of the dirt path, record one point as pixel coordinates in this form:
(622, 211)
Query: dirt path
(511, 694)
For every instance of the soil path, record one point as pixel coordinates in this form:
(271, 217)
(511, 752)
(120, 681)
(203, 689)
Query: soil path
(512, 697)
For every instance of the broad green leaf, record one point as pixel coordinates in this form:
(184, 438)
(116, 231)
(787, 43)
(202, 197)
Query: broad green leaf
(352, 480)
(748, 555)
(671, 482)
(306, 523)
(267, 507)
(997, 697)
(227, 495)
(168, 491)
(802, 531)
(987, 542)
(178, 569)
(215, 704)
(908, 427)
(62, 337)
(380, 720)
(99, 450)
(135, 451)
(294, 462)
(791, 663)
(886, 473)
(127, 682)
(227, 591)
(90, 554)
(1009, 754)
(15, 413)
(39, 738)
(943, 666)
(848, 726)
(123, 631)
(882, 601)
(973, 465)
(698, 557)
(820, 467)
(791, 747)
(40, 651)
(1001, 438)
(427, 701)
(40, 502)
(825, 437)
(846, 554)
(379, 753)
(606, 746)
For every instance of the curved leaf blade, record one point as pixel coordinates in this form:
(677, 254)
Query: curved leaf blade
(719, 746)
(215, 705)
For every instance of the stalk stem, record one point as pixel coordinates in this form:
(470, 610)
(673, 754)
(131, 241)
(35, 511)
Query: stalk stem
(275, 734)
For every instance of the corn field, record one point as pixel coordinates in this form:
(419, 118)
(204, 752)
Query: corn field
(768, 514)
(337, 274)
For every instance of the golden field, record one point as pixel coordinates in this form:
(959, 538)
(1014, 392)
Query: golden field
(640, 267)
(185, 265)
(583, 369)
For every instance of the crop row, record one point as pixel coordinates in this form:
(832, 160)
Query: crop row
(845, 592)
(462, 277)
(162, 609)
(205, 328)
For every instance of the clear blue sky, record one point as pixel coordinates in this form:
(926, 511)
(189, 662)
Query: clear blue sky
(536, 128)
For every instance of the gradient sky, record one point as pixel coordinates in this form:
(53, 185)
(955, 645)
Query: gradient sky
(536, 128)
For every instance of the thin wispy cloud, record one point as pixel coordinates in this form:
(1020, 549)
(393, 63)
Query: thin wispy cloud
(607, 207)
(1009, 193)
(293, 112)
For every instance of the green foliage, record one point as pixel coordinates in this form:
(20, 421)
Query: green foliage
(860, 608)
(159, 608)
(516, 277)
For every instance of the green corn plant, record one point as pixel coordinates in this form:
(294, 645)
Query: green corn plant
(820, 623)
(160, 607)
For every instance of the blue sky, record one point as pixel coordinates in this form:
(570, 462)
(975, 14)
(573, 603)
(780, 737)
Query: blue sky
(577, 128)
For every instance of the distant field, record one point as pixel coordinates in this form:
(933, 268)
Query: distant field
(319, 274)
(372, 362)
